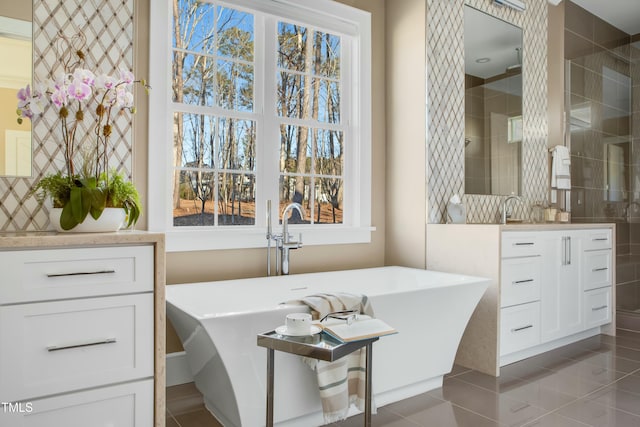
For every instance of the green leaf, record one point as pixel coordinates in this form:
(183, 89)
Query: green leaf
(76, 204)
(67, 221)
(98, 202)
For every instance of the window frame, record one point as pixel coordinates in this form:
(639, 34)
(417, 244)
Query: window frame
(322, 14)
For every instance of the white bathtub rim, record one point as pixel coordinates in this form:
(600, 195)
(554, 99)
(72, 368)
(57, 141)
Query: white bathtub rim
(187, 308)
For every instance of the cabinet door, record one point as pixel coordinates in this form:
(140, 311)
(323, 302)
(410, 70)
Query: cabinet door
(561, 291)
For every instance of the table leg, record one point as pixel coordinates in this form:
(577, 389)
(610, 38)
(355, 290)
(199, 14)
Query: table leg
(270, 358)
(367, 386)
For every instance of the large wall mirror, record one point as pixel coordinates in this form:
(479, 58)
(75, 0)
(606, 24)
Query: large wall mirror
(493, 104)
(15, 73)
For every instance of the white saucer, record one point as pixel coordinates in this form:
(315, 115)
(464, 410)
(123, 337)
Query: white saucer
(282, 330)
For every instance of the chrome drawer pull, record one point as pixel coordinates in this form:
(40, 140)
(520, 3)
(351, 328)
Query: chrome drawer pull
(602, 307)
(522, 328)
(600, 269)
(599, 239)
(83, 344)
(520, 282)
(81, 273)
(523, 244)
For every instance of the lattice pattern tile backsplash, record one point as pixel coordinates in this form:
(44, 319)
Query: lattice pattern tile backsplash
(445, 104)
(108, 27)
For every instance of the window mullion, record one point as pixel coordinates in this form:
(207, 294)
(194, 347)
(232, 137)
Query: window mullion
(271, 137)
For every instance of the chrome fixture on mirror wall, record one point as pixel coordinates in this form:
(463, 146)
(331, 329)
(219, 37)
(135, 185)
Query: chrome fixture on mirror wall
(284, 242)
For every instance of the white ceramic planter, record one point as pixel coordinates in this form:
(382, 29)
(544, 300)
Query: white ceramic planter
(112, 219)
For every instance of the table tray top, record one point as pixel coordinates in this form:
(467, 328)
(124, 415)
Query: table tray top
(320, 346)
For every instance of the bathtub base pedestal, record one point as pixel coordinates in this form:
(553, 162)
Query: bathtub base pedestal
(321, 347)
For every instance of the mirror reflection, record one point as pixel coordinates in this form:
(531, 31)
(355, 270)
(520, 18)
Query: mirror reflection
(493, 104)
(15, 73)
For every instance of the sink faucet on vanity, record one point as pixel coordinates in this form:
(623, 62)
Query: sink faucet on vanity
(505, 213)
(284, 242)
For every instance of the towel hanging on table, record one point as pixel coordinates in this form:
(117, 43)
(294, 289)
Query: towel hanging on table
(560, 171)
(342, 382)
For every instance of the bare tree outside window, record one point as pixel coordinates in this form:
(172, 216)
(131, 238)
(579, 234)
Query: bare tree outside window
(311, 157)
(214, 150)
(215, 122)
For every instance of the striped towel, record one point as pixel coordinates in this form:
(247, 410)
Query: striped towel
(342, 382)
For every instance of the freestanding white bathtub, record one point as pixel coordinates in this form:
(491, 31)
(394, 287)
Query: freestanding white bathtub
(218, 323)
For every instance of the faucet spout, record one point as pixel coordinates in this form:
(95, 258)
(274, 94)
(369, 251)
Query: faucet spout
(285, 219)
(285, 244)
(504, 212)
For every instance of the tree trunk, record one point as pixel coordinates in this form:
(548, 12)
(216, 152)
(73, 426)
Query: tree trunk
(303, 132)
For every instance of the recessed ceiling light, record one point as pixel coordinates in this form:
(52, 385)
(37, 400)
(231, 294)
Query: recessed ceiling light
(483, 60)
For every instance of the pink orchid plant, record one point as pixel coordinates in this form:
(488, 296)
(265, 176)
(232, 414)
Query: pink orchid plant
(69, 91)
(90, 188)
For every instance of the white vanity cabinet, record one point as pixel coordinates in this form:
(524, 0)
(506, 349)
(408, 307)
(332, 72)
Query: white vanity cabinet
(78, 331)
(561, 313)
(597, 278)
(520, 270)
(552, 285)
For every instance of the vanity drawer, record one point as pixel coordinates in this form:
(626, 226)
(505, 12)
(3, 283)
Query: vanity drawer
(520, 281)
(596, 270)
(597, 239)
(597, 307)
(520, 244)
(50, 274)
(519, 327)
(61, 346)
(124, 405)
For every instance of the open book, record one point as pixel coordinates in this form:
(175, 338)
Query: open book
(362, 328)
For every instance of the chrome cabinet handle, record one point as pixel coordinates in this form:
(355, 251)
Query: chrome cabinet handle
(602, 307)
(599, 239)
(523, 244)
(600, 269)
(566, 250)
(520, 282)
(81, 344)
(81, 273)
(521, 328)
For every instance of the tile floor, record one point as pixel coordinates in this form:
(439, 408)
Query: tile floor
(594, 382)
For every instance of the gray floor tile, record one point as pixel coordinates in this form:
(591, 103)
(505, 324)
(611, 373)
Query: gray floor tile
(590, 373)
(570, 385)
(495, 384)
(383, 418)
(609, 361)
(598, 415)
(630, 383)
(619, 399)
(555, 420)
(426, 410)
(628, 334)
(537, 395)
(486, 403)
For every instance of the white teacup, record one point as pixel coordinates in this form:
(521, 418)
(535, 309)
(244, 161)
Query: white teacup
(298, 323)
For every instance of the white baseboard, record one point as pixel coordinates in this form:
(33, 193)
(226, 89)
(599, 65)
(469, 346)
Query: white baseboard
(178, 369)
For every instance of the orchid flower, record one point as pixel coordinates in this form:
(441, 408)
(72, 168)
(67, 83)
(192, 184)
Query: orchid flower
(79, 90)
